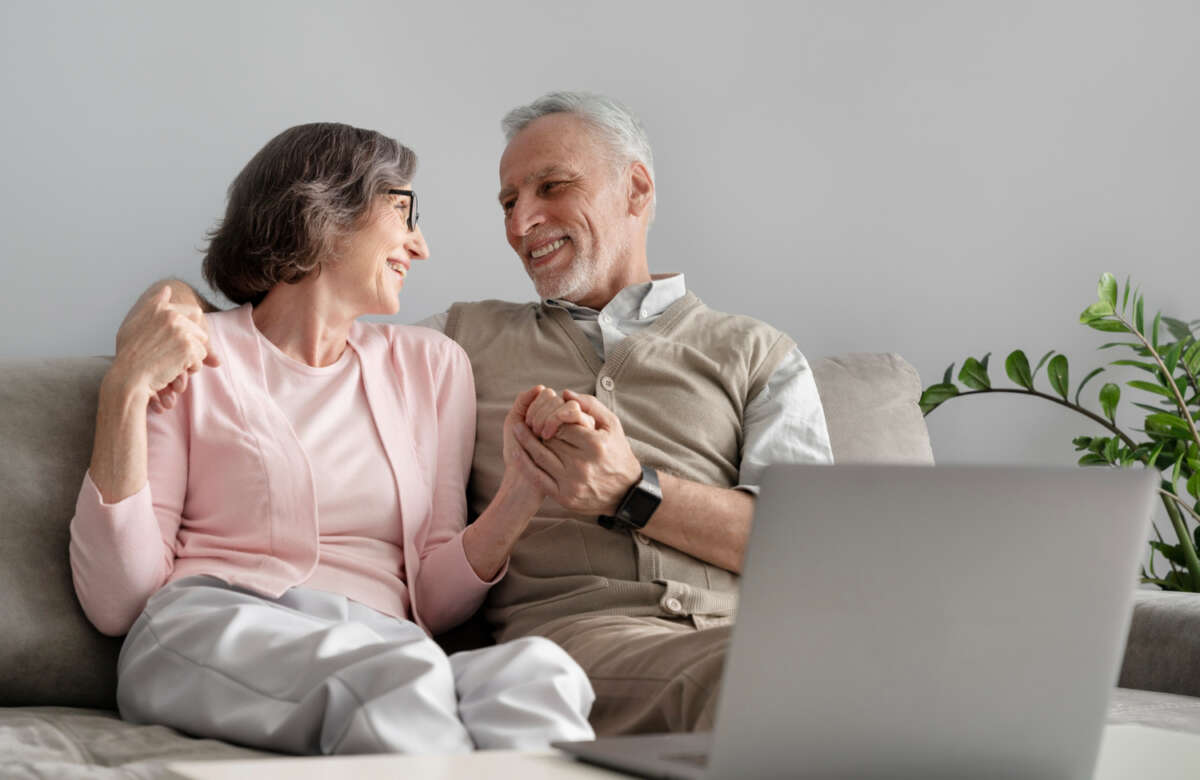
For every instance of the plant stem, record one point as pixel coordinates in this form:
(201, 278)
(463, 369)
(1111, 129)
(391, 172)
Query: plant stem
(1130, 443)
(1179, 501)
(1185, 540)
(1170, 382)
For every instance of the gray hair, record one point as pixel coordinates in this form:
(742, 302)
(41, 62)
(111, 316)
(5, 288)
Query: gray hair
(614, 123)
(295, 201)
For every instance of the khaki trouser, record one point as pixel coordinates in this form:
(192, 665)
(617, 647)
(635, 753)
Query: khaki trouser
(650, 674)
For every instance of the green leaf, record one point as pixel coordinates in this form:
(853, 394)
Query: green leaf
(935, 395)
(1016, 365)
(1125, 298)
(1086, 379)
(1110, 395)
(1138, 305)
(1193, 487)
(1176, 580)
(983, 361)
(1196, 537)
(1172, 357)
(1108, 326)
(1150, 388)
(1111, 449)
(1176, 469)
(1178, 329)
(1081, 442)
(1096, 311)
(1154, 330)
(1059, 375)
(1106, 290)
(1092, 459)
(1191, 358)
(1150, 367)
(1112, 344)
(974, 374)
(1172, 552)
(948, 377)
(1169, 423)
(1152, 409)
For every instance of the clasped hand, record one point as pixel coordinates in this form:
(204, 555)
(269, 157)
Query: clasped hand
(572, 448)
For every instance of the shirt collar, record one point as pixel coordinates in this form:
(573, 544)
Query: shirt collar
(637, 301)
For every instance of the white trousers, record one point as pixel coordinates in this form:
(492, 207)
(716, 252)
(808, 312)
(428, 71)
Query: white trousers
(314, 672)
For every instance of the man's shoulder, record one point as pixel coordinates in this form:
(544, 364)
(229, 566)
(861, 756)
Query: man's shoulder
(406, 340)
(729, 325)
(493, 307)
(470, 321)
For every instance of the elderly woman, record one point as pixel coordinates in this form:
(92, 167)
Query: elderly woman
(281, 543)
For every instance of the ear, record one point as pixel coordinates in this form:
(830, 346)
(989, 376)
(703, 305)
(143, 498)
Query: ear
(641, 189)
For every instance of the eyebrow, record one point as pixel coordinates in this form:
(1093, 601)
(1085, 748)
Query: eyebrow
(544, 173)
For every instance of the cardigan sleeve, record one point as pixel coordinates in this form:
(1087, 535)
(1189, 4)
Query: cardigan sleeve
(122, 553)
(448, 590)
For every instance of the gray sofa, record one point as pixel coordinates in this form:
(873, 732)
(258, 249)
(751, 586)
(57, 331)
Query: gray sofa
(57, 673)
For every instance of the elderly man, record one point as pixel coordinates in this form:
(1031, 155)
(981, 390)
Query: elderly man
(632, 563)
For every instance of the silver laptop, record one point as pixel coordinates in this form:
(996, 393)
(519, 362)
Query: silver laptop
(901, 621)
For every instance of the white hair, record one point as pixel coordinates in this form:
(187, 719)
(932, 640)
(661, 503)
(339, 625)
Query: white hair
(616, 125)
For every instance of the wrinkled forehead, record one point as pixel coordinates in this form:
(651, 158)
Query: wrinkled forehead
(554, 141)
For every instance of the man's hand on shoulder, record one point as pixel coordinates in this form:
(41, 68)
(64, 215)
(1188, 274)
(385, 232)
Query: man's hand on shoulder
(162, 340)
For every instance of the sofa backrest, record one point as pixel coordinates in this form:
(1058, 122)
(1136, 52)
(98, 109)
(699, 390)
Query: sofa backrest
(49, 652)
(51, 655)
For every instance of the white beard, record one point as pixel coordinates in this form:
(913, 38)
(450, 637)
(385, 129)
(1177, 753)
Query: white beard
(580, 278)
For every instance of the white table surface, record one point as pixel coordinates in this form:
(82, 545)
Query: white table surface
(1127, 751)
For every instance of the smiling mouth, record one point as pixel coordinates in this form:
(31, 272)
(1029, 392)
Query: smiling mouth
(542, 251)
(398, 267)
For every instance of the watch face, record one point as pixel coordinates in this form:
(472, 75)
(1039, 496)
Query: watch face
(639, 506)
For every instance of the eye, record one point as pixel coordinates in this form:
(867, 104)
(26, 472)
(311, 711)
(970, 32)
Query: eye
(550, 186)
(507, 206)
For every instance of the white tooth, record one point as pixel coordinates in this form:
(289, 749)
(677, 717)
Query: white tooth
(535, 254)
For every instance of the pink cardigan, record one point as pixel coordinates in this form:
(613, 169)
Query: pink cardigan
(230, 492)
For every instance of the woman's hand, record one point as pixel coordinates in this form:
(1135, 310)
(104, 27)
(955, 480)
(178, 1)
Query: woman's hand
(522, 479)
(548, 411)
(490, 539)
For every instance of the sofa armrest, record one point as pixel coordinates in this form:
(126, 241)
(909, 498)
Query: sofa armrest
(1163, 650)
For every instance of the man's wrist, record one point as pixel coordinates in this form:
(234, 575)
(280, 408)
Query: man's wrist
(123, 384)
(637, 505)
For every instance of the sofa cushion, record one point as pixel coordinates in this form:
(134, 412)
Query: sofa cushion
(1163, 652)
(872, 410)
(49, 652)
(1151, 708)
(69, 742)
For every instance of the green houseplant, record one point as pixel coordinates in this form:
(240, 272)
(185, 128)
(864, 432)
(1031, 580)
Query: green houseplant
(1168, 439)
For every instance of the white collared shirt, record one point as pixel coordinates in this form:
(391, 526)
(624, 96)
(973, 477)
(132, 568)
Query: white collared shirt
(784, 423)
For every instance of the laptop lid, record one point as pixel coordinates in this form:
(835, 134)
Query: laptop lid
(930, 622)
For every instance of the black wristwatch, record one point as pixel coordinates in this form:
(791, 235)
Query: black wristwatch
(638, 505)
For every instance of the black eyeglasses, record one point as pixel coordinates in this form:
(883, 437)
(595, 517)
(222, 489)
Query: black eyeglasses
(413, 215)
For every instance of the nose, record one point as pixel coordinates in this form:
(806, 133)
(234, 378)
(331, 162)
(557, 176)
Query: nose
(526, 214)
(415, 244)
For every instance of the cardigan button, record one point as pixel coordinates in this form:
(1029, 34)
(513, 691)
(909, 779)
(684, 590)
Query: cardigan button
(607, 383)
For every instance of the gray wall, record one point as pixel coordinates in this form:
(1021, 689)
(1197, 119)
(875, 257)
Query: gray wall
(933, 178)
